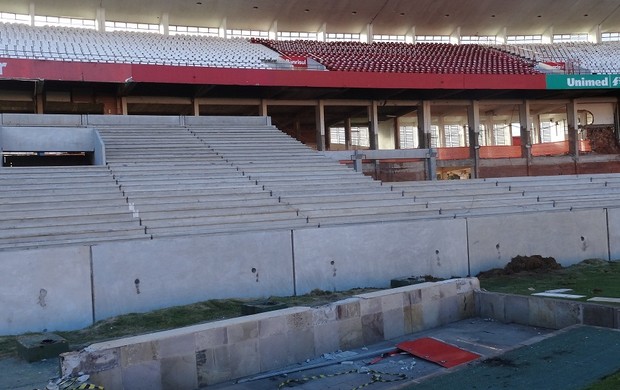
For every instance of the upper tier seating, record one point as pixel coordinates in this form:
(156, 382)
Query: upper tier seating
(405, 58)
(84, 45)
(578, 57)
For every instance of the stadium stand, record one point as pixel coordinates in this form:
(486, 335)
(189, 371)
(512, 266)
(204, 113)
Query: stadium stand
(51, 206)
(571, 57)
(85, 45)
(405, 58)
(203, 179)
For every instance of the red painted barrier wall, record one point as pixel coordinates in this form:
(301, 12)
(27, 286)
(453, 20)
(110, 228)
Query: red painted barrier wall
(11, 68)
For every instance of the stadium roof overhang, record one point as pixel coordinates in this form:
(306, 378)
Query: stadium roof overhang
(423, 17)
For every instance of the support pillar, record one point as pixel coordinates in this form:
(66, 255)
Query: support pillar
(424, 125)
(124, 109)
(196, 107)
(573, 130)
(526, 133)
(320, 125)
(373, 128)
(262, 109)
(473, 119)
(397, 133)
(347, 134)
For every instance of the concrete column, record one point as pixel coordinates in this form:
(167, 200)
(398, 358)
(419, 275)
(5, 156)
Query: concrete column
(373, 125)
(222, 29)
(347, 134)
(38, 97)
(526, 137)
(473, 119)
(31, 12)
(164, 24)
(320, 125)
(573, 129)
(273, 30)
(262, 109)
(196, 107)
(396, 133)
(424, 125)
(100, 19)
(410, 35)
(124, 110)
(322, 33)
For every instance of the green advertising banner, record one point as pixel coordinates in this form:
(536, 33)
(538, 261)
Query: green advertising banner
(583, 81)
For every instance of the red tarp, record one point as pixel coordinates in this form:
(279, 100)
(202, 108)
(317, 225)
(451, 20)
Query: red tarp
(437, 352)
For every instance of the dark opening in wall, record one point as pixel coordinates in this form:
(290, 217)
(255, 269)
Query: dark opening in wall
(46, 159)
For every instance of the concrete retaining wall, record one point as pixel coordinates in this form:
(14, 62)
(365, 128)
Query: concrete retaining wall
(544, 312)
(47, 139)
(340, 258)
(567, 236)
(138, 276)
(211, 353)
(47, 289)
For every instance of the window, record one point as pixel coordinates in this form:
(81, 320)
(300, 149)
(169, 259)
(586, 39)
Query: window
(388, 38)
(523, 39)
(434, 136)
(9, 17)
(247, 34)
(334, 37)
(190, 30)
(135, 27)
(359, 136)
(408, 137)
(64, 22)
(452, 135)
(610, 37)
(557, 38)
(432, 38)
(499, 133)
(296, 35)
(484, 40)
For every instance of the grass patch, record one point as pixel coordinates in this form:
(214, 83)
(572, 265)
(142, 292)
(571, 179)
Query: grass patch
(611, 382)
(592, 278)
(140, 323)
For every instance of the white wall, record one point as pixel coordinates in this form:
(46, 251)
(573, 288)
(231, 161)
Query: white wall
(45, 290)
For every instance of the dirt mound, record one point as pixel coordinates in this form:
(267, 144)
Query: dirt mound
(535, 263)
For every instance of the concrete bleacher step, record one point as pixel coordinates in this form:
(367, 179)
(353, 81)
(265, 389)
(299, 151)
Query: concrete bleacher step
(229, 228)
(10, 223)
(66, 203)
(22, 233)
(206, 201)
(59, 191)
(173, 181)
(194, 210)
(47, 241)
(89, 211)
(217, 220)
(84, 235)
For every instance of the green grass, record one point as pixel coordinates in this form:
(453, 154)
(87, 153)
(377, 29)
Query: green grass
(592, 278)
(611, 382)
(175, 317)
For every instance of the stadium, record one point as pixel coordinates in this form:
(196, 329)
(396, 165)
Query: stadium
(162, 153)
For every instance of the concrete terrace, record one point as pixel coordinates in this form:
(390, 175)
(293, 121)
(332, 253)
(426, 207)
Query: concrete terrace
(234, 198)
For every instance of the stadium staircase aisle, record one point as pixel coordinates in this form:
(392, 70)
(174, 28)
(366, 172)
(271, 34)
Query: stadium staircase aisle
(47, 206)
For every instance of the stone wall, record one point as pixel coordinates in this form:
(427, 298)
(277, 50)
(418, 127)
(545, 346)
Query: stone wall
(211, 353)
